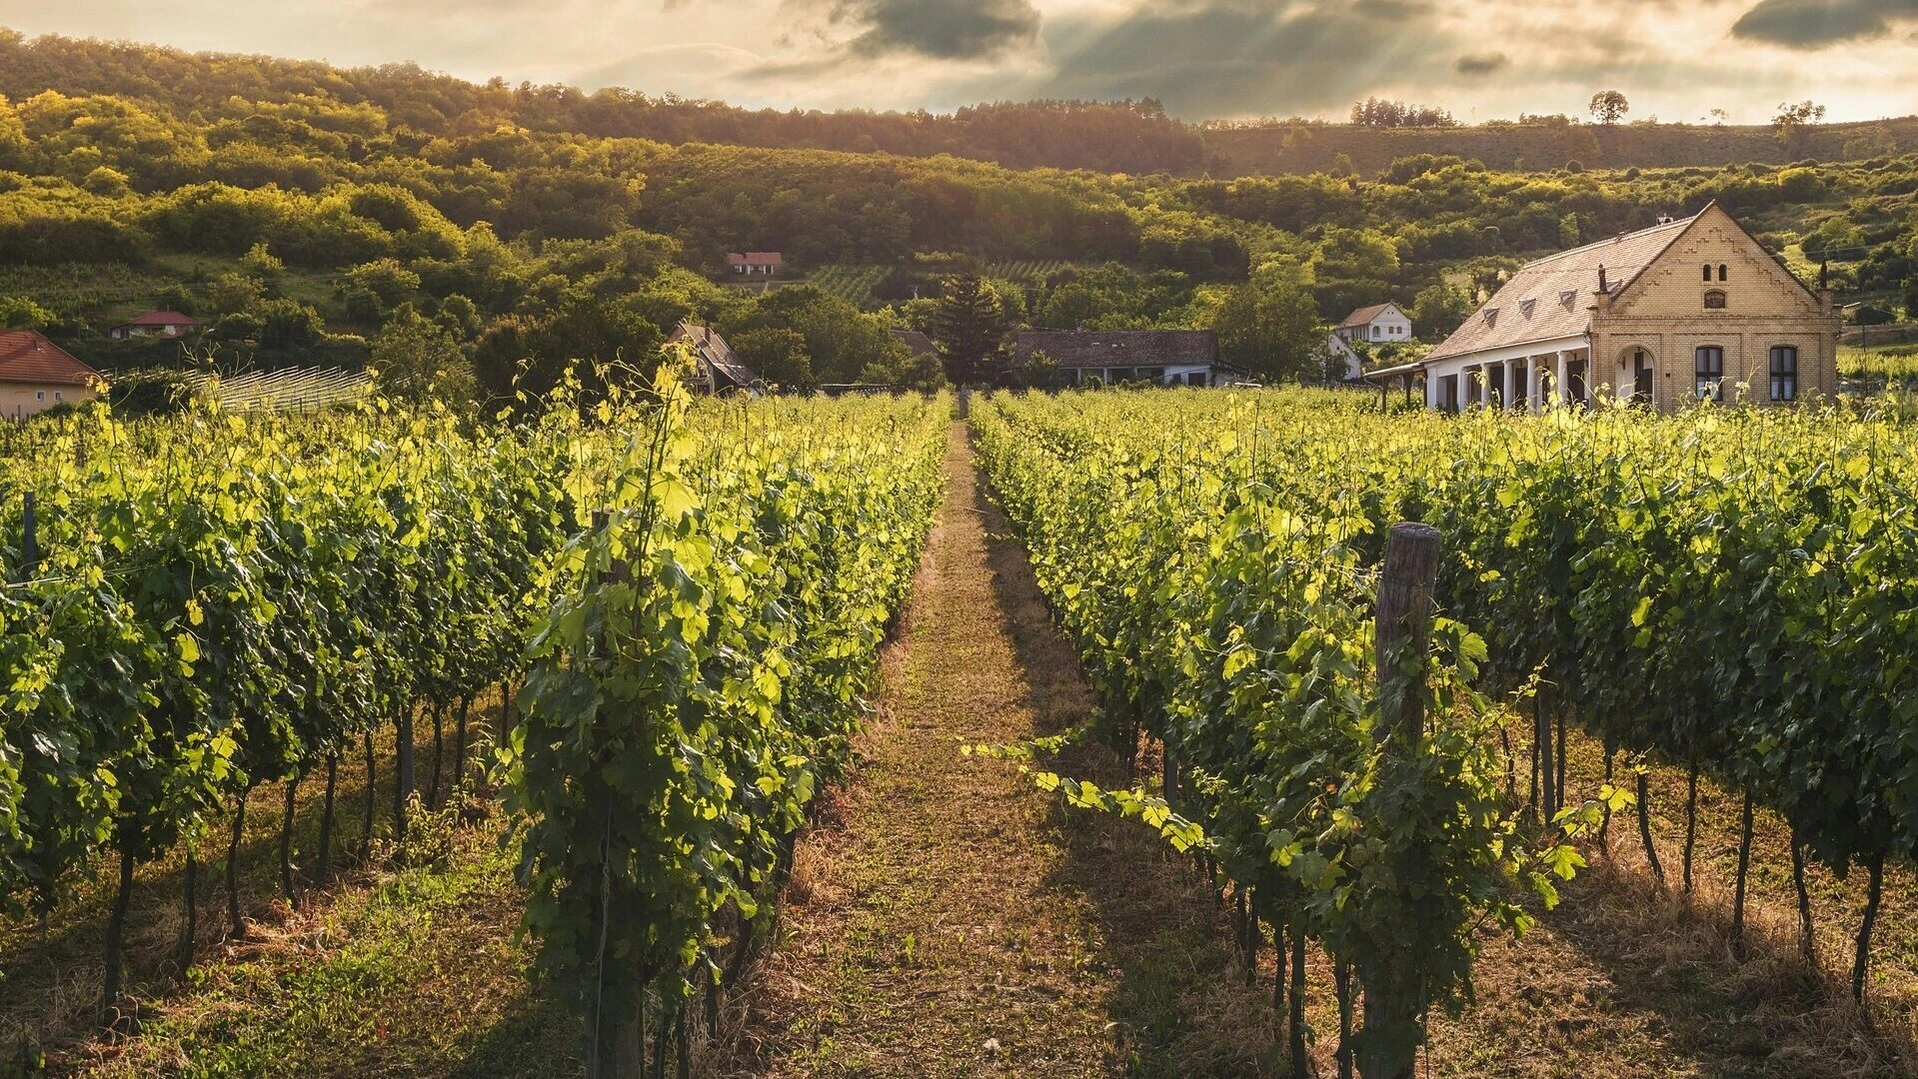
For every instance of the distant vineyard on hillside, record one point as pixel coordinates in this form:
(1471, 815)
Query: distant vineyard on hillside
(1023, 270)
(851, 283)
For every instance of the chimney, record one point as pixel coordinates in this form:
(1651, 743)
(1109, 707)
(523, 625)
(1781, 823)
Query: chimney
(1824, 274)
(1602, 286)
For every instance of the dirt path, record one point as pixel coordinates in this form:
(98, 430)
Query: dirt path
(948, 919)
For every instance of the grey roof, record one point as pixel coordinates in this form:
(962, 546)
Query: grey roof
(1120, 348)
(1554, 296)
(714, 352)
(919, 343)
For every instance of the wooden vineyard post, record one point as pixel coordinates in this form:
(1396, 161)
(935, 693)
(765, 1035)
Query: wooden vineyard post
(619, 1048)
(29, 547)
(1404, 640)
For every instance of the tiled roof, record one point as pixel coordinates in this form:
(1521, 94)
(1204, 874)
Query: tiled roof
(26, 356)
(713, 350)
(1364, 315)
(918, 342)
(1120, 348)
(754, 258)
(164, 318)
(1553, 297)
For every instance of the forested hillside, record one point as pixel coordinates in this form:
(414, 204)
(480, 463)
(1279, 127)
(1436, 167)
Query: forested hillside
(305, 213)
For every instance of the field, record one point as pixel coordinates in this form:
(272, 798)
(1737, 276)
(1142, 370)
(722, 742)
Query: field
(902, 758)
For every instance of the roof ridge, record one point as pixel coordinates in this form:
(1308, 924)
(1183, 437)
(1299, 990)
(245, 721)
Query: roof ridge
(1676, 223)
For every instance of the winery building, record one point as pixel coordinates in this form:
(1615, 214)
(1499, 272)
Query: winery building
(36, 375)
(1687, 309)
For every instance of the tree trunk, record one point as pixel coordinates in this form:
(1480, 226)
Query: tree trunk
(372, 793)
(459, 747)
(1300, 1064)
(235, 926)
(439, 757)
(1691, 822)
(1278, 981)
(110, 1017)
(286, 843)
(1511, 762)
(1542, 749)
(190, 908)
(324, 859)
(684, 1038)
(1342, 984)
(1807, 943)
(1645, 829)
(403, 786)
(1862, 960)
(1605, 814)
(1558, 797)
(1738, 892)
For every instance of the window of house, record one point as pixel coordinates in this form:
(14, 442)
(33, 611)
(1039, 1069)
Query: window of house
(1491, 316)
(1525, 307)
(1721, 271)
(1708, 372)
(39, 395)
(1567, 298)
(1715, 300)
(1784, 373)
(57, 395)
(1708, 271)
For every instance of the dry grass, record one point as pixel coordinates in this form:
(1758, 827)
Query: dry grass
(50, 993)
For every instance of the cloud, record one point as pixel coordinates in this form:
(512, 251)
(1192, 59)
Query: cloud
(1481, 63)
(1246, 57)
(1814, 24)
(938, 29)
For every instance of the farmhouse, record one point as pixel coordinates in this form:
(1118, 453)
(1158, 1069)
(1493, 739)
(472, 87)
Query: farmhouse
(1379, 324)
(717, 368)
(154, 324)
(36, 375)
(1687, 309)
(1172, 357)
(754, 263)
(919, 343)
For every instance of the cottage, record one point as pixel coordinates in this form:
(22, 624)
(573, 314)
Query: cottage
(1687, 309)
(754, 263)
(1379, 324)
(918, 343)
(155, 324)
(1172, 357)
(717, 368)
(36, 375)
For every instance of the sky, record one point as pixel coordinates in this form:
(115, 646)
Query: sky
(1676, 60)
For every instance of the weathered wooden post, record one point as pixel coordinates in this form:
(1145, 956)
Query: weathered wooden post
(1404, 639)
(29, 545)
(619, 1041)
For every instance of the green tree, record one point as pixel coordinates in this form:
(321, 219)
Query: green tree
(1272, 329)
(1609, 106)
(417, 359)
(778, 356)
(969, 329)
(1439, 309)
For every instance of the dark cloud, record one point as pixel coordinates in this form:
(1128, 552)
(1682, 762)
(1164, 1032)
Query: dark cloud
(1814, 24)
(1482, 63)
(939, 29)
(1246, 57)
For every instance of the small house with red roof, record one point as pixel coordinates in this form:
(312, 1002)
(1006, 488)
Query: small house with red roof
(36, 375)
(754, 263)
(155, 324)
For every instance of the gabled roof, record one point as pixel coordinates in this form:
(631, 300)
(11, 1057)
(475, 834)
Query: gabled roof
(1562, 289)
(164, 318)
(1120, 348)
(754, 258)
(919, 343)
(714, 352)
(1365, 315)
(25, 356)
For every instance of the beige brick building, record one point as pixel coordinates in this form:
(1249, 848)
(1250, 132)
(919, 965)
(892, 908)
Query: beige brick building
(1686, 309)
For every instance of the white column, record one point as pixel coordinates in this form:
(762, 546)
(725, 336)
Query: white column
(1537, 364)
(1564, 388)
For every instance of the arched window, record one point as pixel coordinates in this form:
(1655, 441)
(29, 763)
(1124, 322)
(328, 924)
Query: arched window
(1715, 300)
(1708, 271)
(1708, 371)
(1784, 373)
(1721, 271)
